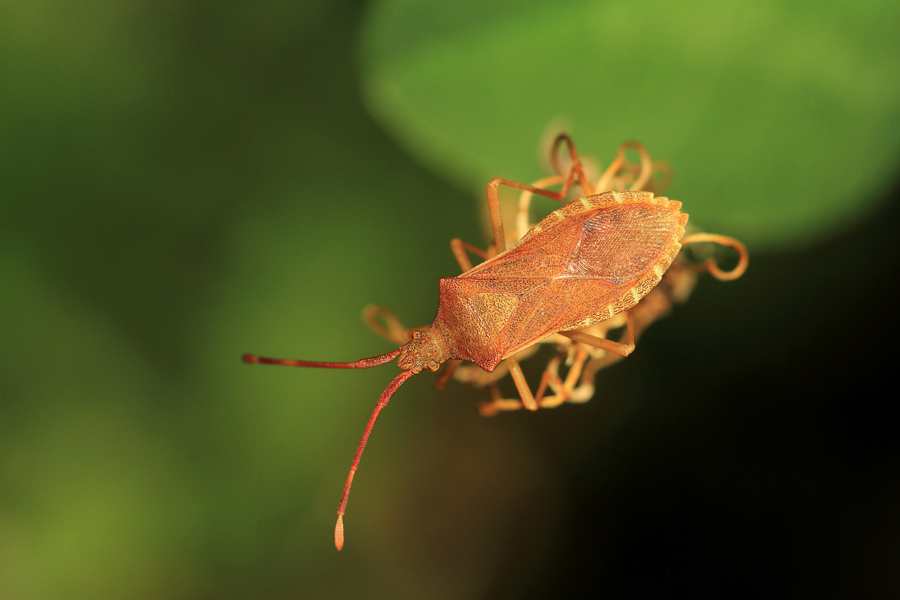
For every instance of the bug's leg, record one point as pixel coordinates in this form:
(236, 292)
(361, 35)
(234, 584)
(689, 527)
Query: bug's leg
(493, 197)
(575, 167)
(641, 316)
(585, 389)
(478, 377)
(385, 323)
(498, 403)
(523, 223)
(605, 344)
(622, 174)
(442, 379)
(606, 181)
(562, 389)
(565, 388)
(579, 385)
(492, 407)
(460, 248)
(710, 265)
(519, 378)
(549, 373)
(551, 378)
(646, 169)
(493, 189)
(666, 174)
(637, 319)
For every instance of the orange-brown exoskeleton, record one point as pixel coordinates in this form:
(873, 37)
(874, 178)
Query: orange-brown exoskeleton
(583, 361)
(592, 259)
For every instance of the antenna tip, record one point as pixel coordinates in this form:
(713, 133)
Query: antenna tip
(250, 359)
(339, 533)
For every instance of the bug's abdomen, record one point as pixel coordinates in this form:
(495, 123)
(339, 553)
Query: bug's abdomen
(582, 264)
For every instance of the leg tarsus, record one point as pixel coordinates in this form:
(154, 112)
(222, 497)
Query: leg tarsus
(491, 408)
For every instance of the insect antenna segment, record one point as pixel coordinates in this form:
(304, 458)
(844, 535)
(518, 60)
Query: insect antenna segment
(363, 363)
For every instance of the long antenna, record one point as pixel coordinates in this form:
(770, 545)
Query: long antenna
(382, 402)
(363, 363)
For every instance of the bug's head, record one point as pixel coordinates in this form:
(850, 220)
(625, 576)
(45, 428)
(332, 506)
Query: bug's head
(421, 352)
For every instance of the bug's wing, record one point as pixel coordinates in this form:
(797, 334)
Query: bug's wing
(582, 264)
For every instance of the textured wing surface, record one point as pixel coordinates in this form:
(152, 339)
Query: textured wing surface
(583, 263)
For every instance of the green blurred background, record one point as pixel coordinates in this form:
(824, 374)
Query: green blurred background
(183, 182)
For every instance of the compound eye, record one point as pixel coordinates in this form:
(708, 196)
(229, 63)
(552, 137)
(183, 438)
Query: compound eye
(417, 335)
(431, 366)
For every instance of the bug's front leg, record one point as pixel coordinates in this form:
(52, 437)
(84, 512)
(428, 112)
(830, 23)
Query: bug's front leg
(493, 189)
(385, 323)
(460, 248)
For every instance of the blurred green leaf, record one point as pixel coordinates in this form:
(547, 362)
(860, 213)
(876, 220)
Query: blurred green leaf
(776, 116)
(93, 498)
